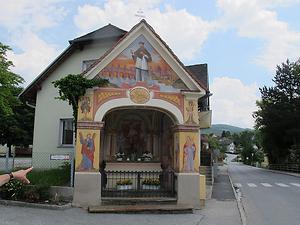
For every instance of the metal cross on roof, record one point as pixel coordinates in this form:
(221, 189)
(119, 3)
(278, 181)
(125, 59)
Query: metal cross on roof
(140, 14)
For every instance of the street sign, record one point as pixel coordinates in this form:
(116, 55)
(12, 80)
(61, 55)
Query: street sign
(60, 157)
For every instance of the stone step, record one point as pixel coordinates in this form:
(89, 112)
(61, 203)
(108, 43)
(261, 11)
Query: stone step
(137, 201)
(145, 209)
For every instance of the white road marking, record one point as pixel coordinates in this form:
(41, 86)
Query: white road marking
(252, 185)
(295, 184)
(282, 185)
(238, 185)
(266, 185)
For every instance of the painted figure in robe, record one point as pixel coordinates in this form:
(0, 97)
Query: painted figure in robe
(141, 58)
(189, 153)
(87, 151)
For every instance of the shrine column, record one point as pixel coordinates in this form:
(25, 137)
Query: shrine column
(186, 164)
(87, 180)
(187, 154)
(87, 183)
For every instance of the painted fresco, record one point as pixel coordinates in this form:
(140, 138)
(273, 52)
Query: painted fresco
(189, 152)
(191, 112)
(176, 152)
(87, 150)
(141, 65)
(85, 110)
(131, 138)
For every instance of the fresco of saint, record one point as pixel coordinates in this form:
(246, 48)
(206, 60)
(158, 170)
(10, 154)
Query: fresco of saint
(85, 106)
(189, 153)
(87, 151)
(190, 113)
(141, 58)
(140, 64)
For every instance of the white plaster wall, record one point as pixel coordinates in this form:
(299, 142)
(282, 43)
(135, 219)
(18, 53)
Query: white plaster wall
(49, 110)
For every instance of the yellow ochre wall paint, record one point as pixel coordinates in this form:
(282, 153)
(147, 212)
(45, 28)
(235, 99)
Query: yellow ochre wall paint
(191, 112)
(87, 150)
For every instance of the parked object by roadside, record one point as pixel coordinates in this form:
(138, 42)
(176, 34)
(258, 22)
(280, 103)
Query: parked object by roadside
(4, 149)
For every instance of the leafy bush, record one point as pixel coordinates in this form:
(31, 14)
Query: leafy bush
(13, 190)
(151, 181)
(124, 182)
(36, 193)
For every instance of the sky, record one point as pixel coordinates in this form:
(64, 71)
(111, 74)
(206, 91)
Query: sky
(242, 41)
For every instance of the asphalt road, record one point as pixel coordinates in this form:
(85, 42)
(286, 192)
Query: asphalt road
(268, 198)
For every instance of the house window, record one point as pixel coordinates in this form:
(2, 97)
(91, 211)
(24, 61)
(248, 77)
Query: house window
(87, 64)
(67, 131)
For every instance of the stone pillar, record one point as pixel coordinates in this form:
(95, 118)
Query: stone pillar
(149, 142)
(87, 184)
(114, 144)
(102, 144)
(186, 163)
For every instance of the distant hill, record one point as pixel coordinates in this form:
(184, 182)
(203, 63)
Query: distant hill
(217, 129)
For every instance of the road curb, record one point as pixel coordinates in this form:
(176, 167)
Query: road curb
(35, 205)
(239, 203)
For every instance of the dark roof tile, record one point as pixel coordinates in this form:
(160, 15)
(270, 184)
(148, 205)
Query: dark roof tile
(200, 72)
(108, 31)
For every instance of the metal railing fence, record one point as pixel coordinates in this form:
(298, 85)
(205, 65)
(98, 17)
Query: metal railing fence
(289, 167)
(138, 184)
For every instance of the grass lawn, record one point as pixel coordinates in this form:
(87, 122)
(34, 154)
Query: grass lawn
(53, 177)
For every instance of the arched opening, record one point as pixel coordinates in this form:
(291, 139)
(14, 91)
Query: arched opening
(138, 134)
(156, 104)
(137, 152)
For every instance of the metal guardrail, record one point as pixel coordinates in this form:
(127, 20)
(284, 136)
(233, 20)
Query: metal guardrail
(138, 184)
(293, 168)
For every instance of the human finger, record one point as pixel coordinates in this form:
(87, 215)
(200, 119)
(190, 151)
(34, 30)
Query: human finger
(28, 170)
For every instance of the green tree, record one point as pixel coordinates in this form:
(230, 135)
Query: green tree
(213, 142)
(72, 87)
(278, 115)
(16, 119)
(9, 84)
(226, 134)
(245, 142)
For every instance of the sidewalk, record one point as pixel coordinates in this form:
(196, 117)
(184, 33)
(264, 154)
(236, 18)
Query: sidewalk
(222, 208)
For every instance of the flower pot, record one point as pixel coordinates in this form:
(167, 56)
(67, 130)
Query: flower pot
(124, 187)
(150, 187)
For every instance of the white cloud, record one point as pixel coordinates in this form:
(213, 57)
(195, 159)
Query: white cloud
(233, 102)
(23, 19)
(33, 14)
(176, 27)
(36, 56)
(255, 19)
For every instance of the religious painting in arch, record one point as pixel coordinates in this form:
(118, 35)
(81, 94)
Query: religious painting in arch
(131, 138)
(141, 65)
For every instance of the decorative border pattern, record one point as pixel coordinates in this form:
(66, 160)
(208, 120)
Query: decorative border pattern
(173, 98)
(90, 125)
(103, 95)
